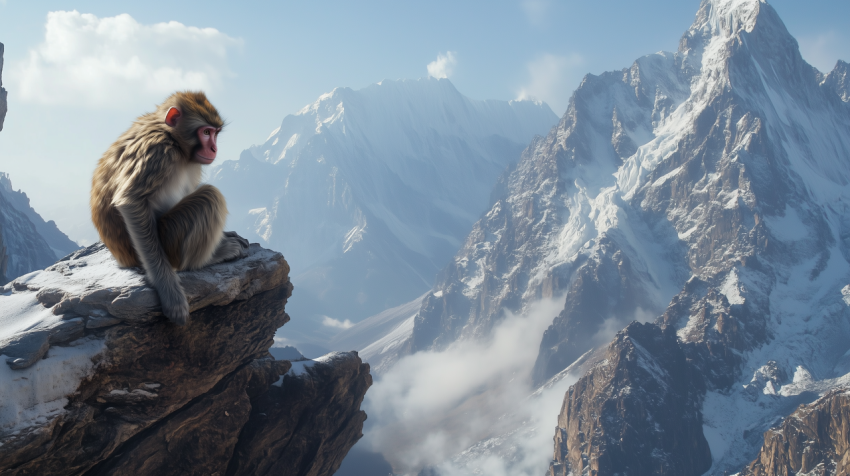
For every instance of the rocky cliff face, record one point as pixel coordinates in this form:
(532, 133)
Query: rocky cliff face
(24, 248)
(96, 381)
(815, 439)
(643, 394)
(4, 260)
(3, 105)
(57, 241)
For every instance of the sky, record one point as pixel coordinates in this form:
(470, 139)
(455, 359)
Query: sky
(78, 72)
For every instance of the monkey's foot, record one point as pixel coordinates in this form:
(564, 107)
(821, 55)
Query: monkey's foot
(231, 247)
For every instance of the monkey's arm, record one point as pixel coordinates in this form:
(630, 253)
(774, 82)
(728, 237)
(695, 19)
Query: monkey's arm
(133, 201)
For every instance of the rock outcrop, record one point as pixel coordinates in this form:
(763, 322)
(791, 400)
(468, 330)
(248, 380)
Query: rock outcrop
(637, 411)
(3, 105)
(815, 439)
(98, 382)
(3, 108)
(57, 241)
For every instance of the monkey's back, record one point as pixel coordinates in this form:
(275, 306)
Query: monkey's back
(121, 163)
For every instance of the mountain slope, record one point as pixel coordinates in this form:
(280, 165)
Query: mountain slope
(56, 240)
(372, 191)
(27, 242)
(705, 190)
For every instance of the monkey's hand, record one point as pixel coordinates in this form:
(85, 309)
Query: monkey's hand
(174, 304)
(232, 246)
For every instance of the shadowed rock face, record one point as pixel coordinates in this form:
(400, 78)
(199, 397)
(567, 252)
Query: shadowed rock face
(635, 412)
(167, 400)
(815, 439)
(3, 106)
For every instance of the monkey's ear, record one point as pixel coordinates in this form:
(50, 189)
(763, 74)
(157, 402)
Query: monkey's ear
(172, 116)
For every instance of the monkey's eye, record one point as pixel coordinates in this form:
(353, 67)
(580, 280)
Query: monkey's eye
(206, 132)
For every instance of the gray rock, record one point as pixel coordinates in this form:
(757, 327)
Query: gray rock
(3, 105)
(162, 399)
(26, 349)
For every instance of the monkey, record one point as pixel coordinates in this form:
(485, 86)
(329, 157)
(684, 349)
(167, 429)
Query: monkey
(148, 205)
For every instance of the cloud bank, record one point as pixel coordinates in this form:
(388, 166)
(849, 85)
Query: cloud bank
(443, 66)
(432, 405)
(116, 61)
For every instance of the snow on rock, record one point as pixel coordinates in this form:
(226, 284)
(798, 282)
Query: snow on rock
(52, 321)
(707, 186)
(90, 358)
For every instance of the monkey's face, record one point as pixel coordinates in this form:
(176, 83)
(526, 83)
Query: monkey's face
(207, 136)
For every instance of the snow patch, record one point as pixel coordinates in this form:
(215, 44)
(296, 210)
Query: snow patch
(788, 227)
(35, 395)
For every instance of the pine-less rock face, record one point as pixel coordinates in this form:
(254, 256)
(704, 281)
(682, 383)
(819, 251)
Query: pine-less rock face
(815, 439)
(4, 260)
(98, 382)
(3, 105)
(643, 394)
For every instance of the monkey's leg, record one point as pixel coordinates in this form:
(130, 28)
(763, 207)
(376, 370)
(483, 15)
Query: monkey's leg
(191, 232)
(142, 227)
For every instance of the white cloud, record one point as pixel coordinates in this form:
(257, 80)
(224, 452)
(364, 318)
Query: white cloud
(549, 80)
(824, 50)
(443, 66)
(336, 323)
(432, 405)
(116, 61)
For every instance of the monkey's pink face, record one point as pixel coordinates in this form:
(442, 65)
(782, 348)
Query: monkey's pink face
(206, 153)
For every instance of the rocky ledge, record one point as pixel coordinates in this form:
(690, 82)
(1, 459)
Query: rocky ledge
(814, 440)
(97, 381)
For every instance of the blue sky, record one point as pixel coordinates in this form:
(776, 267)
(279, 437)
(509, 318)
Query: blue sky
(260, 61)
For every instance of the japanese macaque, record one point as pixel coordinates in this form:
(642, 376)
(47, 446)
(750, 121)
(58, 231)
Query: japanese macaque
(147, 204)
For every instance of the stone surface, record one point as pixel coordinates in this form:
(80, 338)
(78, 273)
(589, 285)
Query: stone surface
(162, 399)
(3, 105)
(814, 440)
(637, 411)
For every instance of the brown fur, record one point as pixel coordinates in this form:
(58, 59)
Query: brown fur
(147, 204)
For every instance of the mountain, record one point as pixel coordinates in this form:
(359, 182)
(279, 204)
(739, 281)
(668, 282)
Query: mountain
(55, 239)
(27, 242)
(703, 193)
(371, 192)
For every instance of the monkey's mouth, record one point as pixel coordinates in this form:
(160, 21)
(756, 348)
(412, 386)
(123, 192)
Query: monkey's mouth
(204, 160)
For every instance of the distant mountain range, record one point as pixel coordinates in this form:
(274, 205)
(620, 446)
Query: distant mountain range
(704, 193)
(27, 242)
(369, 193)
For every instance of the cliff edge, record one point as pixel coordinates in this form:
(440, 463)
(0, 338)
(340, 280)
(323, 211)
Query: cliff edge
(95, 381)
